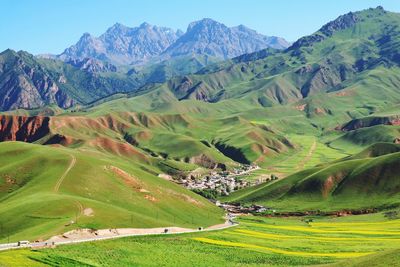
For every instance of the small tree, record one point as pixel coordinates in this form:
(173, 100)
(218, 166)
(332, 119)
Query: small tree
(274, 177)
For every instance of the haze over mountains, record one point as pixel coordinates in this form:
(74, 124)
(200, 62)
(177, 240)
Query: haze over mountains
(124, 45)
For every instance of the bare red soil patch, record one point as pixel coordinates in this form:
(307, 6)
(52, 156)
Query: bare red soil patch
(22, 128)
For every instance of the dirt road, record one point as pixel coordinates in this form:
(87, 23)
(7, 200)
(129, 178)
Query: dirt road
(86, 235)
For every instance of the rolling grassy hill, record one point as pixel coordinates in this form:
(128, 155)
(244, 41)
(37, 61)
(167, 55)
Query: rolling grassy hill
(367, 136)
(44, 188)
(343, 52)
(365, 180)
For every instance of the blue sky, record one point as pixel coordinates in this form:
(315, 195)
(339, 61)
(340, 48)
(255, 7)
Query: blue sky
(49, 26)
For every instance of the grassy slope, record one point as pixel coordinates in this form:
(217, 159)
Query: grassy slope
(335, 63)
(33, 206)
(233, 122)
(100, 132)
(366, 180)
(367, 136)
(178, 130)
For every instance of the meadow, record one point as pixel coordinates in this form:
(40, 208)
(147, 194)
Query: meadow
(256, 241)
(309, 152)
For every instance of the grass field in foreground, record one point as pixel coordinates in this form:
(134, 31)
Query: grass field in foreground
(257, 241)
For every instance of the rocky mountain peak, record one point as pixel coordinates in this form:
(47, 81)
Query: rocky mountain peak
(204, 23)
(86, 36)
(144, 25)
(121, 45)
(205, 29)
(117, 28)
(86, 39)
(242, 27)
(212, 38)
(8, 51)
(342, 22)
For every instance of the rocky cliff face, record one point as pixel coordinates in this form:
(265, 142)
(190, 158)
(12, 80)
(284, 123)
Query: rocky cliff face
(28, 82)
(123, 45)
(342, 22)
(24, 84)
(20, 128)
(213, 38)
(92, 65)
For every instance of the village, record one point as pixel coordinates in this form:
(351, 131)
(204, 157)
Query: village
(222, 183)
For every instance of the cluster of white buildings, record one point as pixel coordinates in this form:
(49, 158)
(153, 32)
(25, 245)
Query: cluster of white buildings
(222, 182)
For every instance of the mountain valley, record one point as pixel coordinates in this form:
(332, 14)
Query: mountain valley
(149, 128)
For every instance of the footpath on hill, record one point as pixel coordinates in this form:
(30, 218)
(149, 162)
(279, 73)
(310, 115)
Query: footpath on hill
(86, 235)
(62, 177)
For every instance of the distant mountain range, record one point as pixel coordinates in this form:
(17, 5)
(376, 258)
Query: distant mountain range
(215, 39)
(30, 82)
(357, 50)
(157, 53)
(122, 45)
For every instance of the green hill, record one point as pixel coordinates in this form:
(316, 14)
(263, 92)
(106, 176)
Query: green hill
(43, 189)
(369, 179)
(348, 59)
